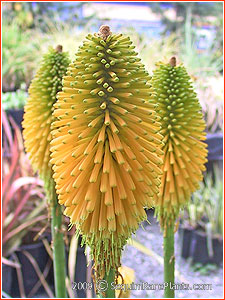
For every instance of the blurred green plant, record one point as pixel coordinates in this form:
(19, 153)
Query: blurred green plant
(14, 100)
(210, 93)
(218, 39)
(154, 50)
(204, 269)
(61, 34)
(173, 16)
(19, 12)
(35, 14)
(201, 64)
(19, 56)
(206, 208)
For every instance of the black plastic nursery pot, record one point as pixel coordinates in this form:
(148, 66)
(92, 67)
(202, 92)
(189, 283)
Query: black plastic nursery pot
(30, 277)
(81, 271)
(17, 115)
(7, 278)
(215, 146)
(215, 151)
(199, 250)
(186, 237)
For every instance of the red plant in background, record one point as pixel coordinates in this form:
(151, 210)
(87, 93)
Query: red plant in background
(21, 190)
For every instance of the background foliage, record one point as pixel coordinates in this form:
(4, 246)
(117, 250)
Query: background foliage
(30, 27)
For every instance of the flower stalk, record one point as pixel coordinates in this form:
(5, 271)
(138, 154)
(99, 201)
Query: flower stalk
(110, 278)
(169, 261)
(105, 289)
(59, 261)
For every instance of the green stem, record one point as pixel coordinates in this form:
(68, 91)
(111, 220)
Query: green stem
(58, 252)
(108, 279)
(169, 261)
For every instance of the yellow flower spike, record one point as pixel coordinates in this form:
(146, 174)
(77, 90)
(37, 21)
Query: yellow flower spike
(38, 113)
(106, 147)
(183, 130)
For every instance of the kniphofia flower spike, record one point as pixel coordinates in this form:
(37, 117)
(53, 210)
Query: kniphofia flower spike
(106, 147)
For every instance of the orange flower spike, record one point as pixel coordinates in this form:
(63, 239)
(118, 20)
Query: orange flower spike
(100, 152)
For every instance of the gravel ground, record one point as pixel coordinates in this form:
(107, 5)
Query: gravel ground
(149, 269)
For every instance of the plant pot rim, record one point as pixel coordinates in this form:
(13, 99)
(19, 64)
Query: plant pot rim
(187, 226)
(16, 109)
(203, 233)
(215, 134)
